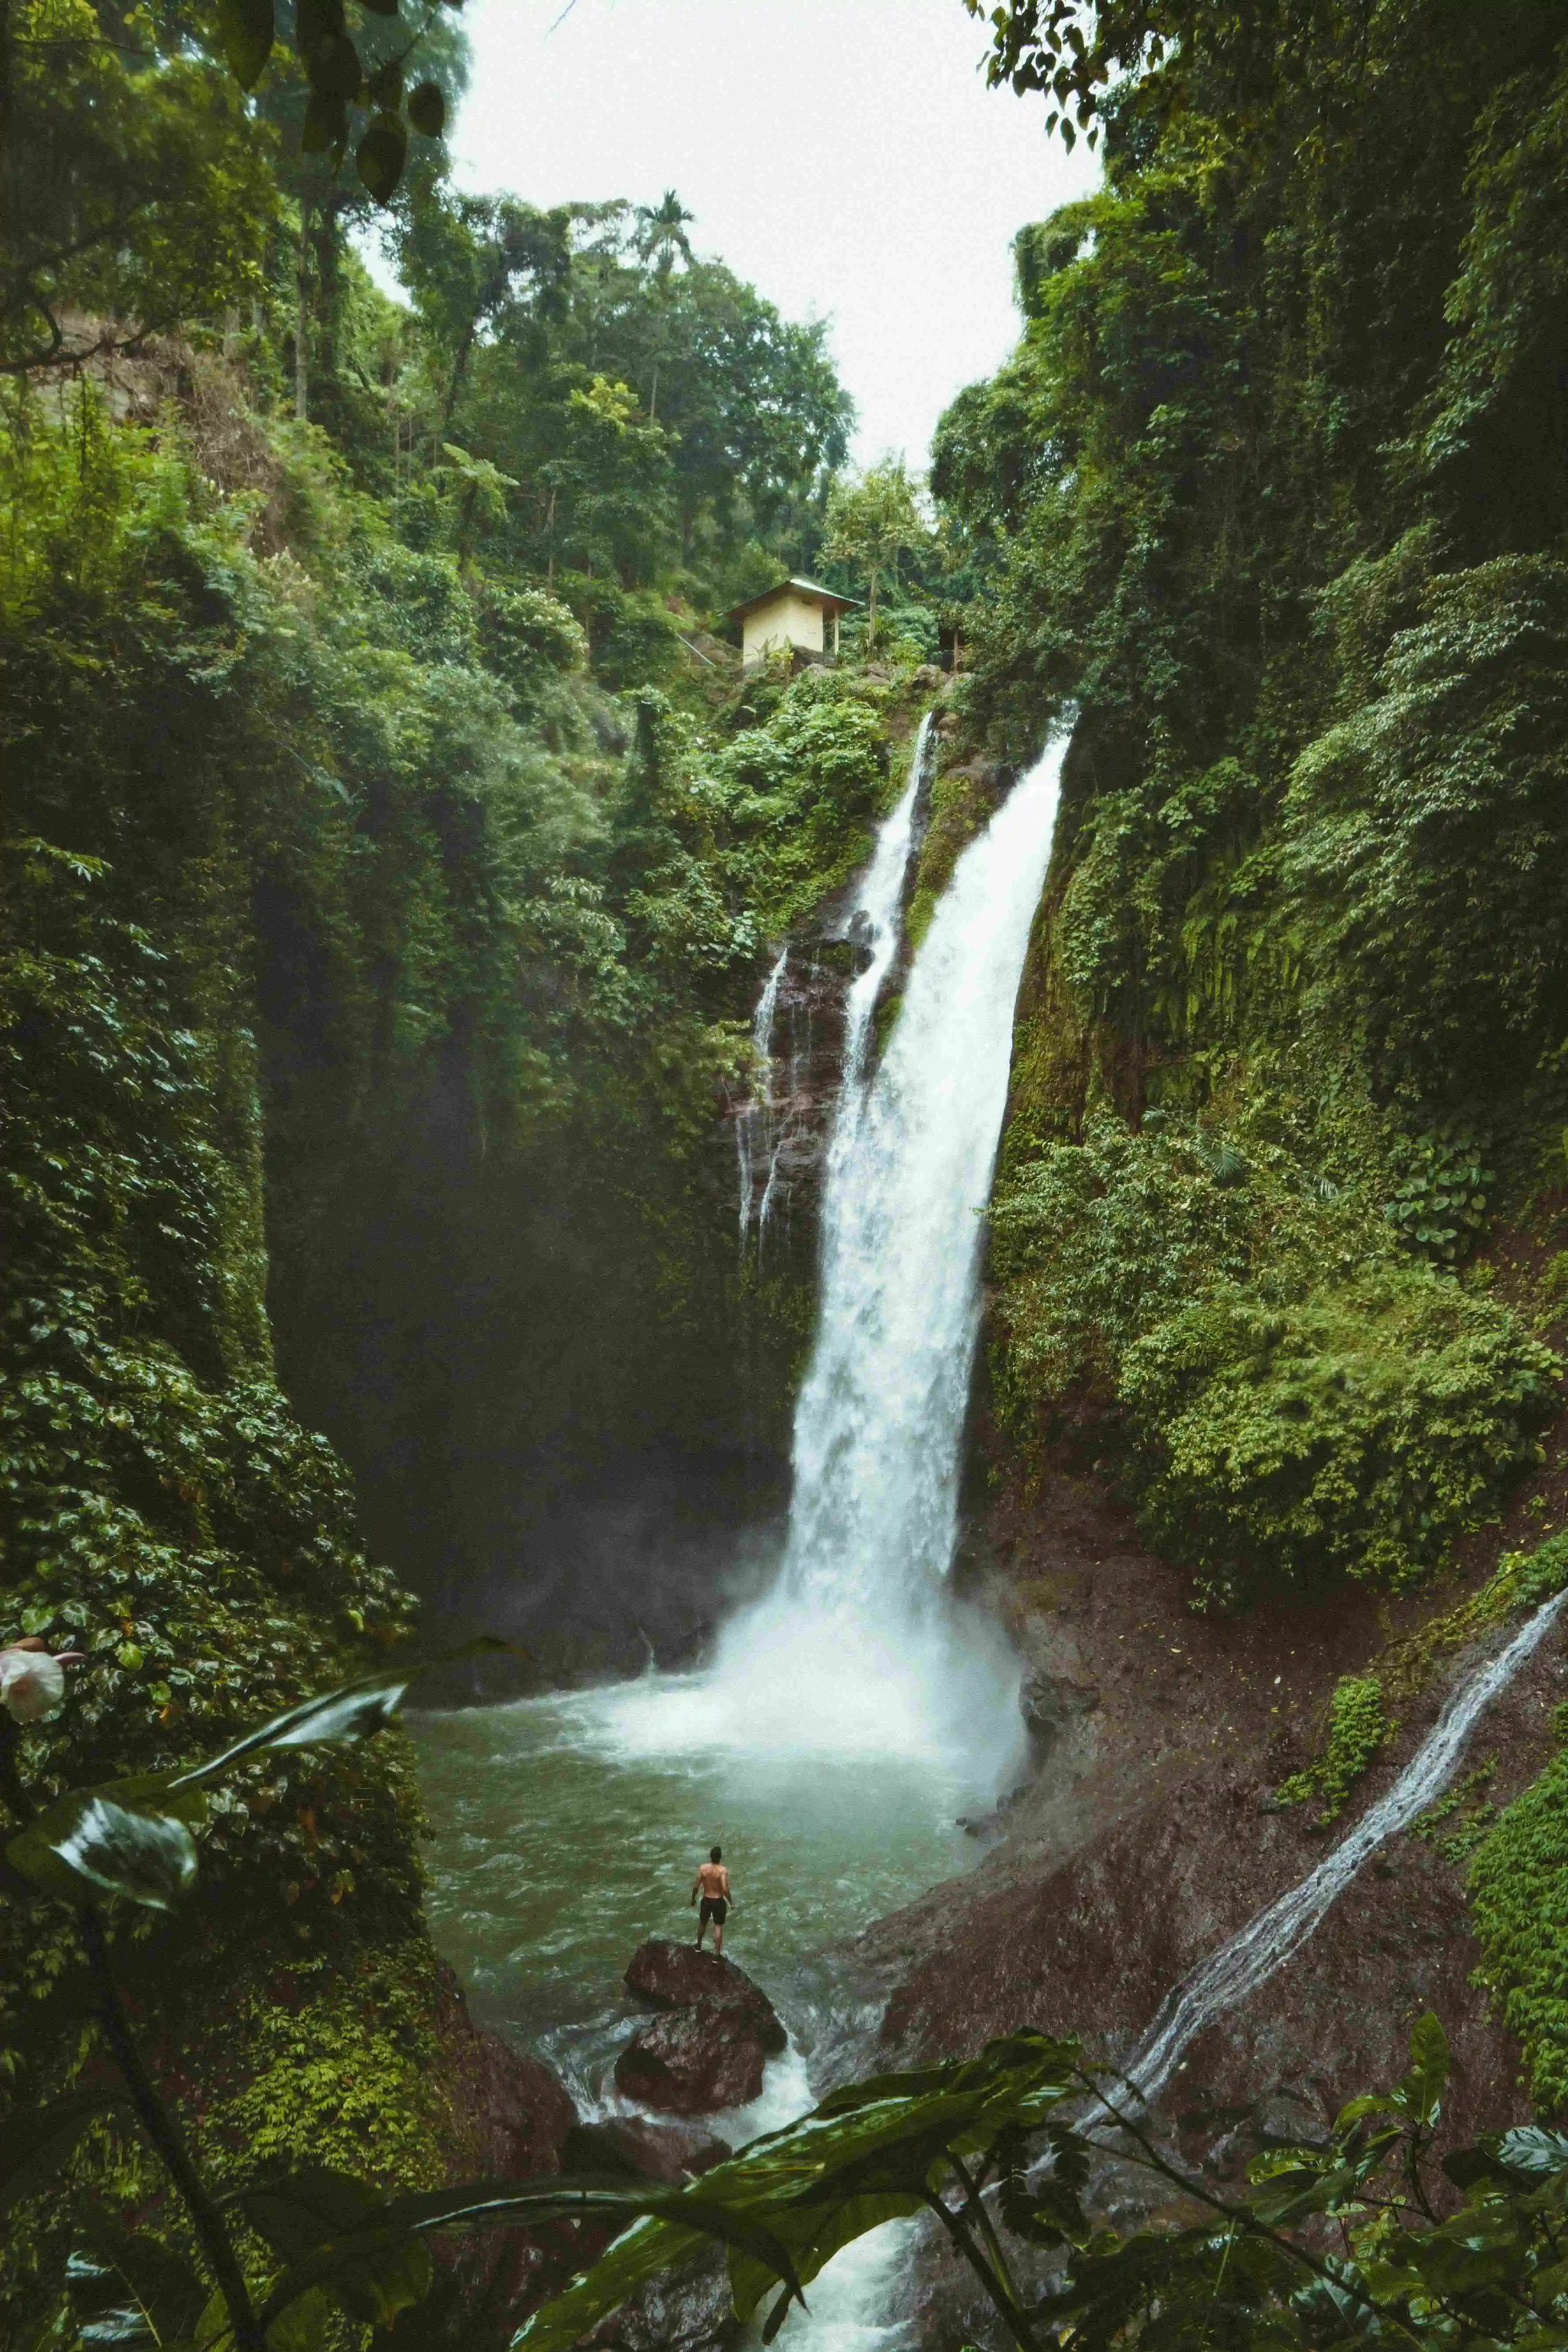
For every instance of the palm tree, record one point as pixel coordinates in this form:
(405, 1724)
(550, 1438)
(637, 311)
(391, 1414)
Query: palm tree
(660, 233)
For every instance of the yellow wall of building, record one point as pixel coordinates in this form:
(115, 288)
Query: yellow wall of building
(787, 619)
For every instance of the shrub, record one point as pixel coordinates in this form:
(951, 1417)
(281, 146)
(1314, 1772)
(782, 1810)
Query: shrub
(1354, 1432)
(1440, 1205)
(1359, 1724)
(1517, 1880)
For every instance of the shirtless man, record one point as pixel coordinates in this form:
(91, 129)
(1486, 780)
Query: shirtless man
(712, 1883)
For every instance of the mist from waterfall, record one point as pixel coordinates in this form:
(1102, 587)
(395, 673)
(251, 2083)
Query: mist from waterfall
(860, 1647)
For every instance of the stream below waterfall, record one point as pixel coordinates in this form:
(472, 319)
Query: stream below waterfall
(560, 1844)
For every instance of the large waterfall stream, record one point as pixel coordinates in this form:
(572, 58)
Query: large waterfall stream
(859, 1648)
(567, 1826)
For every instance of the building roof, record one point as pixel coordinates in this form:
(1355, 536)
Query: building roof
(811, 589)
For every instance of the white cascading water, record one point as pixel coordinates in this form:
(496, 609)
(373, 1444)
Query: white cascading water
(1268, 1941)
(754, 1123)
(858, 1648)
(871, 919)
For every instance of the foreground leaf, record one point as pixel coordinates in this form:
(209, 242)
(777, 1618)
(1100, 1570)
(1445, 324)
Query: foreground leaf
(247, 27)
(38, 2144)
(395, 2232)
(129, 1837)
(354, 1711)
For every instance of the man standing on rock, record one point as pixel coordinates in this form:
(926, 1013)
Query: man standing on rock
(712, 1883)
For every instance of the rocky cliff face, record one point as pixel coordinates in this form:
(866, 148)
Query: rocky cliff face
(1152, 1832)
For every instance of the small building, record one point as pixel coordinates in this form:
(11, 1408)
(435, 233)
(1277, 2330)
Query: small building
(797, 614)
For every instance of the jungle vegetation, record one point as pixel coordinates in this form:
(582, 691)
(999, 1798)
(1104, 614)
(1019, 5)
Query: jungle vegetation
(384, 826)
(391, 855)
(1271, 501)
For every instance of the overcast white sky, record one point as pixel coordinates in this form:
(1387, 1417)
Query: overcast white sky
(843, 155)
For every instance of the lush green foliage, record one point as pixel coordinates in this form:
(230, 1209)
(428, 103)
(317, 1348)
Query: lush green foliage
(871, 522)
(387, 880)
(1358, 1726)
(1517, 1880)
(1355, 1433)
(1294, 1400)
(1247, 498)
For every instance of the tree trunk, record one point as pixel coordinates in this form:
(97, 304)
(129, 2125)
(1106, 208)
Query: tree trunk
(329, 281)
(871, 612)
(303, 320)
(459, 370)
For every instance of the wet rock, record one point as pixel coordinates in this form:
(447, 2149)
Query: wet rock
(1051, 1704)
(1282, 2121)
(631, 2148)
(513, 2111)
(511, 2119)
(694, 2061)
(675, 1976)
(686, 2310)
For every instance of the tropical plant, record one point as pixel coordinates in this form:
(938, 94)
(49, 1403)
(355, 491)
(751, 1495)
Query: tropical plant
(336, 2243)
(660, 233)
(1004, 2152)
(870, 523)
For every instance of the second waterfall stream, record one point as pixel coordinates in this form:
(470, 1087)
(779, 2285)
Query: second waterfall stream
(860, 1647)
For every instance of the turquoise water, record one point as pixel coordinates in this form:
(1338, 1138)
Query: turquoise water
(562, 1838)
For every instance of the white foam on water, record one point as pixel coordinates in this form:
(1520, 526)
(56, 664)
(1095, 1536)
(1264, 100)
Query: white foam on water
(846, 2301)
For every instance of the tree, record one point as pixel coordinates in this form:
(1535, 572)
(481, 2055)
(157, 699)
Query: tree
(870, 523)
(473, 262)
(661, 233)
(132, 188)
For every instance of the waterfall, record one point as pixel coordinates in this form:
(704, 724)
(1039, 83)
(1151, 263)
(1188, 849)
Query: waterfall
(859, 1647)
(1268, 1941)
(871, 922)
(754, 1122)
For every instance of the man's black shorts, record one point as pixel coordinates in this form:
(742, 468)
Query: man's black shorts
(714, 1907)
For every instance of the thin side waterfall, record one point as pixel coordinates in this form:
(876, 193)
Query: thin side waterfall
(859, 1648)
(872, 919)
(754, 1124)
(1268, 1941)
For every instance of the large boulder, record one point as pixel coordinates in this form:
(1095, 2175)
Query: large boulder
(676, 1976)
(694, 2061)
(630, 2147)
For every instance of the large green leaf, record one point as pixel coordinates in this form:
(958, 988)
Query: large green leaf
(1421, 2091)
(247, 27)
(38, 2144)
(133, 1837)
(814, 2234)
(315, 2207)
(642, 2253)
(401, 2223)
(381, 156)
(129, 1837)
(427, 110)
(127, 2288)
(354, 1711)
(866, 2156)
